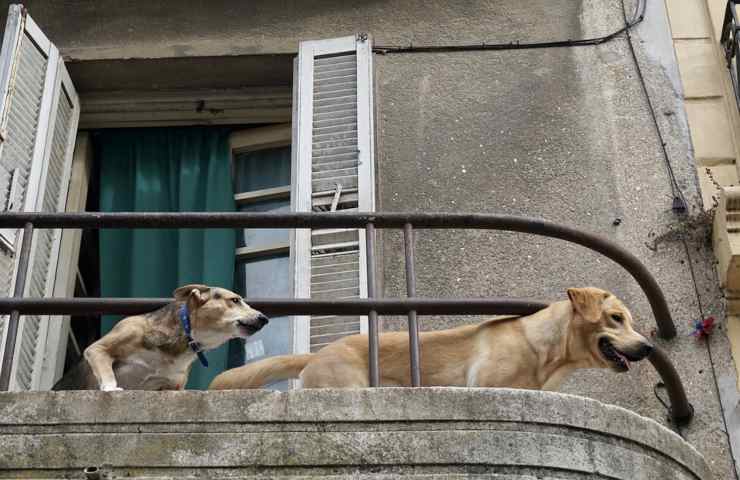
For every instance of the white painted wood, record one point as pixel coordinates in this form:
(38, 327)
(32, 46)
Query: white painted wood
(330, 46)
(69, 253)
(301, 194)
(11, 43)
(33, 191)
(35, 331)
(9, 56)
(366, 147)
(38, 37)
(332, 153)
(53, 328)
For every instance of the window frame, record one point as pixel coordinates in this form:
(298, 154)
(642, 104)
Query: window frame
(253, 140)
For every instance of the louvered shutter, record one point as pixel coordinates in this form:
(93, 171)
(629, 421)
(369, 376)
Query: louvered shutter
(39, 115)
(333, 171)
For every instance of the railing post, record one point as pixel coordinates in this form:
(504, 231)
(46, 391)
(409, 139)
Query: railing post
(413, 325)
(372, 317)
(14, 318)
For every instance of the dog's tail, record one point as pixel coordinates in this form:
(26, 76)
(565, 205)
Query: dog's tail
(264, 372)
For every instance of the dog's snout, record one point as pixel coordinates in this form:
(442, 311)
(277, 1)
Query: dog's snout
(645, 350)
(637, 354)
(262, 320)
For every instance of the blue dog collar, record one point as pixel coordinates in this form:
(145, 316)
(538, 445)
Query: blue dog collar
(194, 346)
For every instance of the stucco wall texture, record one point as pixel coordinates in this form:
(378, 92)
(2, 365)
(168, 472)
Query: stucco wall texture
(563, 134)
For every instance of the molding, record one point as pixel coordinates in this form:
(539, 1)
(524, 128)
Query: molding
(726, 242)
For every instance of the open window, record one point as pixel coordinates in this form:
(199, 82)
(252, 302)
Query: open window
(261, 171)
(332, 169)
(322, 161)
(38, 115)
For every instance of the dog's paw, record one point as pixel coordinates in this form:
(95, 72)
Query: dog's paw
(110, 388)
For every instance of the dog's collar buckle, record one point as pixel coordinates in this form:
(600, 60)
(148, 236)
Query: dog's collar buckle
(194, 346)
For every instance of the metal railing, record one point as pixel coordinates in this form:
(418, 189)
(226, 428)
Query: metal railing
(730, 42)
(680, 411)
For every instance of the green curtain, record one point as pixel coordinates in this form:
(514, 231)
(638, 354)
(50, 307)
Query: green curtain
(167, 170)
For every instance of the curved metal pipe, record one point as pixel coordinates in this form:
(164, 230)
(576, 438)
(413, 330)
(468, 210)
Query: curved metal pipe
(681, 410)
(627, 260)
(283, 306)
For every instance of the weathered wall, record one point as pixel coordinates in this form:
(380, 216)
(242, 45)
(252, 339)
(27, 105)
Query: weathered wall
(373, 432)
(565, 134)
(144, 29)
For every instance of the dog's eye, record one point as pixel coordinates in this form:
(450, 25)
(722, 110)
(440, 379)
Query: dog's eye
(236, 300)
(617, 317)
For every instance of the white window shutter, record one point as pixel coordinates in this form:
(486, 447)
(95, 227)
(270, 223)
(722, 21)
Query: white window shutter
(38, 115)
(333, 170)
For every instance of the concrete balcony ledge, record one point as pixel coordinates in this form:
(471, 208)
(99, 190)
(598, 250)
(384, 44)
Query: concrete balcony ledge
(372, 433)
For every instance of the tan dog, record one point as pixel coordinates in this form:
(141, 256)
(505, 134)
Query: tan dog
(593, 329)
(154, 352)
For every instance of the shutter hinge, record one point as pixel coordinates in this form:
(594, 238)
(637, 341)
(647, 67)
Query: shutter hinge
(361, 37)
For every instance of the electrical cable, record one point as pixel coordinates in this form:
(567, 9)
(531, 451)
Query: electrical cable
(515, 45)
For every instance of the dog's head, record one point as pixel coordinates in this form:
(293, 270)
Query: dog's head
(217, 314)
(605, 325)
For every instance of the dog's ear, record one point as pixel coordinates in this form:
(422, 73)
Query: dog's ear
(195, 292)
(587, 302)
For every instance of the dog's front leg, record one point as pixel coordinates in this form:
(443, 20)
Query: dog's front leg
(101, 364)
(119, 342)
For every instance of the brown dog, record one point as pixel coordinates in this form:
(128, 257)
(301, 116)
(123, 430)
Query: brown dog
(593, 329)
(155, 351)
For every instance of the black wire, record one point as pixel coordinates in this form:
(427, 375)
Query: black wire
(668, 407)
(516, 45)
(680, 205)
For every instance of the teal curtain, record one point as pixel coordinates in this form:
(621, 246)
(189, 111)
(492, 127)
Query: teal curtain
(167, 170)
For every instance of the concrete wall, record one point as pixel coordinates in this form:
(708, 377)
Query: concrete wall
(141, 29)
(375, 433)
(564, 134)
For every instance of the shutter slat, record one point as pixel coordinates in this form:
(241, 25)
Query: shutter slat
(335, 135)
(336, 165)
(326, 101)
(341, 90)
(326, 144)
(342, 172)
(326, 118)
(339, 61)
(330, 183)
(342, 125)
(334, 327)
(328, 152)
(339, 157)
(334, 121)
(333, 237)
(326, 75)
(331, 83)
(348, 274)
